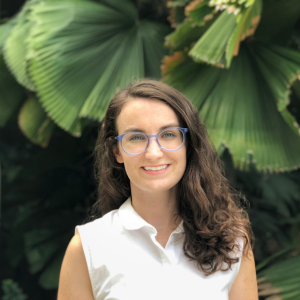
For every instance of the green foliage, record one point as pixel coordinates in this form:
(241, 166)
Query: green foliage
(271, 281)
(244, 107)
(12, 291)
(45, 199)
(11, 94)
(245, 119)
(34, 122)
(77, 54)
(72, 56)
(274, 201)
(15, 46)
(5, 30)
(62, 59)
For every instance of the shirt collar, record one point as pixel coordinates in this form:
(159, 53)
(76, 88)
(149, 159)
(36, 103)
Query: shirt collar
(131, 220)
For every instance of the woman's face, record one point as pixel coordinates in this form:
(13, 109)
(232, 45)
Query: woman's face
(150, 116)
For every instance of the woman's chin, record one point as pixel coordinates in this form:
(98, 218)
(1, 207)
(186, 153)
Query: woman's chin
(154, 187)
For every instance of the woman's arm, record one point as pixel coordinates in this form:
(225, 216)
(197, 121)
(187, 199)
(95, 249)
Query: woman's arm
(245, 284)
(74, 281)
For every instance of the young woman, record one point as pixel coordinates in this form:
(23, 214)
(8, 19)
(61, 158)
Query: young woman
(171, 227)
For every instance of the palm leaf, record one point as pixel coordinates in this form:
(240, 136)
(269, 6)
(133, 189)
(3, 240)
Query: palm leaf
(15, 47)
(239, 110)
(5, 30)
(222, 40)
(271, 281)
(11, 94)
(81, 53)
(176, 14)
(185, 34)
(211, 47)
(280, 76)
(199, 12)
(34, 122)
(247, 24)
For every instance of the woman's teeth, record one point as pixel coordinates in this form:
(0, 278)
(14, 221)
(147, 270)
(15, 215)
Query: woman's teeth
(155, 168)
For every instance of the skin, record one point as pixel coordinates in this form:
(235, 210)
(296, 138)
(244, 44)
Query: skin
(153, 197)
(245, 285)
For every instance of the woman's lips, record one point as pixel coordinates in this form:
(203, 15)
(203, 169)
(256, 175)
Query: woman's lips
(156, 172)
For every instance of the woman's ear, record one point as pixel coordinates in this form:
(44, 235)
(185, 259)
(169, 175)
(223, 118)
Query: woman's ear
(118, 155)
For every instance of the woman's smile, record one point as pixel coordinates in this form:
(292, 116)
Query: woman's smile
(156, 170)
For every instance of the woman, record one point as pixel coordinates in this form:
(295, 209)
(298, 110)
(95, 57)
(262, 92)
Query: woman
(171, 227)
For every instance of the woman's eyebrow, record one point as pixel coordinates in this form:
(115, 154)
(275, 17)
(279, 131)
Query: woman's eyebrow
(131, 129)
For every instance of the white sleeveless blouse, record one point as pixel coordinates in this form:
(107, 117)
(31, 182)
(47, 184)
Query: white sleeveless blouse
(126, 262)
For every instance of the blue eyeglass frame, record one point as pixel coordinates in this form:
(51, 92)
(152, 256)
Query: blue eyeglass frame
(183, 130)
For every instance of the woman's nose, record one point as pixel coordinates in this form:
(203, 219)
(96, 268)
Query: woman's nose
(153, 150)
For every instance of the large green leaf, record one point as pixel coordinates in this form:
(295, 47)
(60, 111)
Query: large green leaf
(211, 47)
(199, 12)
(11, 94)
(281, 66)
(247, 23)
(222, 40)
(239, 109)
(81, 53)
(34, 122)
(15, 47)
(184, 35)
(5, 30)
(271, 281)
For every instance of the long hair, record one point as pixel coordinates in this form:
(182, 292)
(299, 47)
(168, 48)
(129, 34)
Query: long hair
(213, 218)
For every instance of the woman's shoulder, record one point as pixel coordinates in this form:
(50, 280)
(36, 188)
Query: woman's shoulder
(74, 276)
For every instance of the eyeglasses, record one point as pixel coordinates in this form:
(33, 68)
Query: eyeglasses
(170, 139)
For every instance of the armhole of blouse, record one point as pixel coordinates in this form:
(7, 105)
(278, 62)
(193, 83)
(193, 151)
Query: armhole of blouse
(241, 242)
(238, 264)
(87, 253)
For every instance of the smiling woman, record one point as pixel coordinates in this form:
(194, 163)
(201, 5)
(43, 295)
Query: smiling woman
(167, 225)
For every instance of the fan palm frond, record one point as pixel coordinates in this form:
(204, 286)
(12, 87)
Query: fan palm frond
(245, 118)
(81, 53)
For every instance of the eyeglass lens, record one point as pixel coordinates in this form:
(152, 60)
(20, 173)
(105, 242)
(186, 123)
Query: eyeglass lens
(169, 139)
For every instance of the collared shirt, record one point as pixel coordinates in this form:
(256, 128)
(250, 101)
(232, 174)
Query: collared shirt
(126, 262)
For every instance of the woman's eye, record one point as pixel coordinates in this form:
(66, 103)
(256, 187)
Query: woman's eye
(168, 135)
(137, 138)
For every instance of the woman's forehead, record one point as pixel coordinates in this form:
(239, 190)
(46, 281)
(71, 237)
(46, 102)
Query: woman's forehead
(144, 112)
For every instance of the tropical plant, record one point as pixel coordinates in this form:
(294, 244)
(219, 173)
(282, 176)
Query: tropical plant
(60, 64)
(243, 98)
(46, 193)
(76, 55)
(235, 46)
(275, 286)
(12, 291)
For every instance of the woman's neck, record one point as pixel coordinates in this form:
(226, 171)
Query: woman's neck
(157, 209)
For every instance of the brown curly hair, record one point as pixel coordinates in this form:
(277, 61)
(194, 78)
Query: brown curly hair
(213, 218)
